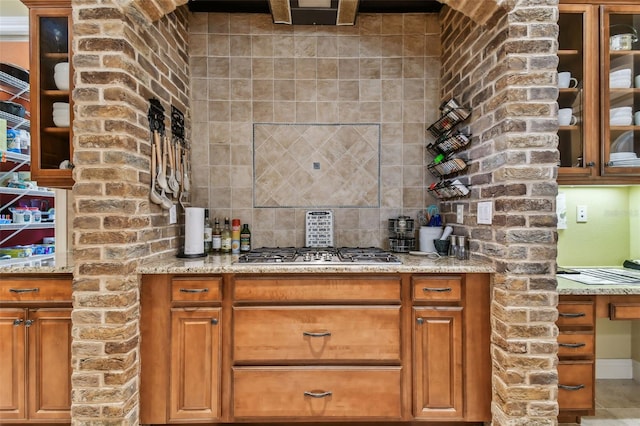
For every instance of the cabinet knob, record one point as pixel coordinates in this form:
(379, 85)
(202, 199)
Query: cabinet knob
(591, 164)
(420, 320)
(28, 323)
(214, 321)
(17, 322)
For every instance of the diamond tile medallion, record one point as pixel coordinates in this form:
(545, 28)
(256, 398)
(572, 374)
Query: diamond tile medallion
(316, 165)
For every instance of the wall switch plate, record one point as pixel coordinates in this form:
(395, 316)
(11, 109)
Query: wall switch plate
(460, 213)
(581, 214)
(485, 213)
(173, 215)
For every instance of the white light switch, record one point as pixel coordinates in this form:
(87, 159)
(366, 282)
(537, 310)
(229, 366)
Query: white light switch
(485, 212)
(173, 215)
(460, 213)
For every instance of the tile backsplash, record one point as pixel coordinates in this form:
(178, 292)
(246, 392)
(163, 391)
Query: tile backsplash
(365, 92)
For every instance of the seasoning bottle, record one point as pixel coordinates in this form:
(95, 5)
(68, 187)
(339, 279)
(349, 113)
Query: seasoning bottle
(235, 236)
(216, 237)
(225, 238)
(463, 253)
(245, 238)
(207, 232)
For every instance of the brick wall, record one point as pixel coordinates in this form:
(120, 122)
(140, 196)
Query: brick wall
(120, 62)
(506, 73)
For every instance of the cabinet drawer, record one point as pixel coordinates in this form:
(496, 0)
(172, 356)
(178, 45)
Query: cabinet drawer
(326, 393)
(35, 289)
(575, 385)
(288, 334)
(439, 289)
(576, 344)
(196, 289)
(300, 289)
(576, 314)
(624, 311)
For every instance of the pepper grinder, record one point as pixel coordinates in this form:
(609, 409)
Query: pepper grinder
(463, 253)
(453, 246)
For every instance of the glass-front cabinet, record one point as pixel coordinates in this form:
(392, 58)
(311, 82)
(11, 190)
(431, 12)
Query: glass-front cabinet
(620, 67)
(50, 30)
(598, 98)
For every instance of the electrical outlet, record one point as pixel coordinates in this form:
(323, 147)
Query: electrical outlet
(173, 215)
(460, 213)
(485, 213)
(581, 214)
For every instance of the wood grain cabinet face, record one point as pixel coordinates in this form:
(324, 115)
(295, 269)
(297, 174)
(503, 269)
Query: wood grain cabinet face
(195, 364)
(438, 380)
(35, 354)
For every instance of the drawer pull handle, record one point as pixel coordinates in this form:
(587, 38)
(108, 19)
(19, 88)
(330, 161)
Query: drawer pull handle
(572, 345)
(439, 290)
(316, 333)
(572, 315)
(317, 394)
(24, 290)
(571, 388)
(194, 290)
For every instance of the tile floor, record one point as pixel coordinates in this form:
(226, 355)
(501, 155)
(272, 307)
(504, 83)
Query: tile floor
(617, 404)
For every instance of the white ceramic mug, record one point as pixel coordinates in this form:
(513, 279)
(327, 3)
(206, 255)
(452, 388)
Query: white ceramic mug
(638, 81)
(565, 80)
(636, 117)
(566, 117)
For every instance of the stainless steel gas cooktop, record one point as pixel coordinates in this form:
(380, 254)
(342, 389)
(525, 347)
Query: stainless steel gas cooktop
(319, 256)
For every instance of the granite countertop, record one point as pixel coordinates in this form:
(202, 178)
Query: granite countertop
(225, 264)
(13, 270)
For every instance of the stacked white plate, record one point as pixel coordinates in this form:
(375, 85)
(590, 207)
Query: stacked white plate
(622, 116)
(620, 79)
(61, 75)
(624, 159)
(61, 114)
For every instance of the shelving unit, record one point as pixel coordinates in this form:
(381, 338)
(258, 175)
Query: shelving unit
(18, 89)
(449, 141)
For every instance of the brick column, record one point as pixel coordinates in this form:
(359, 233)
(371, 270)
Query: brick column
(118, 65)
(506, 73)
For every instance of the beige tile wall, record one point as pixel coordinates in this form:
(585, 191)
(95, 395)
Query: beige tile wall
(385, 70)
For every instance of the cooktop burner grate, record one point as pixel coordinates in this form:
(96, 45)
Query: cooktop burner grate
(319, 255)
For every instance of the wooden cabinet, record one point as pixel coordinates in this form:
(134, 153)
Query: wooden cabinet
(315, 348)
(50, 33)
(328, 345)
(35, 362)
(576, 353)
(181, 350)
(450, 368)
(601, 142)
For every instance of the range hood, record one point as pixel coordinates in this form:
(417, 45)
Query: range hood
(315, 12)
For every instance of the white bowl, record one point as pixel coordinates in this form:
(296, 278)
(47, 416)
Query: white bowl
(625, 110)
(61, 106)
(623, 73)
(617, 121)
(61, 121)
(61, 67)
(61, 80)
(616, 156)
(620, 83)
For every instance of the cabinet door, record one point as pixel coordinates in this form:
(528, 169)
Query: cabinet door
(578, 92)
(12, 364)
(51, 131)
(49, 332)
(438, 386)
(620, 68)
(195, 364)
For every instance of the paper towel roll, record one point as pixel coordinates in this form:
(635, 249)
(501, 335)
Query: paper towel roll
(193, 230)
